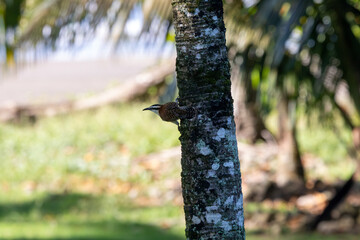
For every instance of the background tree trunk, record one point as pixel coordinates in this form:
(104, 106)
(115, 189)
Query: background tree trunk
(211, 180)
(290, 166)
(250, 126)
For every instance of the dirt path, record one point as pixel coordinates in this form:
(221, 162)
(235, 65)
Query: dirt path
(58, 81)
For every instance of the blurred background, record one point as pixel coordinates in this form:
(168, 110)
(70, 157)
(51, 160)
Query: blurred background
(80, 160)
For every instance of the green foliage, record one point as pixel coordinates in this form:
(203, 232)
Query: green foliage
(309, 40)
(12, 13)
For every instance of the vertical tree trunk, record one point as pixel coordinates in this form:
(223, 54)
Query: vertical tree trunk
(249, 124)
(211, 180)
(10, 58)
(349, 54)
(11, 17)
(290, 167)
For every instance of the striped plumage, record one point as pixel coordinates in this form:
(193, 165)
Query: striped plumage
(171, 111)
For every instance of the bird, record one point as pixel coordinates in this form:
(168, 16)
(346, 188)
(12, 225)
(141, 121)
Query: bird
(171, 112)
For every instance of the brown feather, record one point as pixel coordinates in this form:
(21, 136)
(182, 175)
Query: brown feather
(172, 111)
(169, 112)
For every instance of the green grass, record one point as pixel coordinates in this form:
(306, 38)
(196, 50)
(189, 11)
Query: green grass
(83, 216)
(82, 142)
(44, 166)
(71, 215)
(55, 176)
(302, 236)
(326, 141)
(329, 147)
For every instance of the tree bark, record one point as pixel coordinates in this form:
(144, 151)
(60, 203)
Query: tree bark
(211, 179)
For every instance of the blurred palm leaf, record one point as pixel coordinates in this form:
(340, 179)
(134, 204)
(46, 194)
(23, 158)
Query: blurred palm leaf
(10, 14)
(293, 35)
(49, 20)
(318, 41)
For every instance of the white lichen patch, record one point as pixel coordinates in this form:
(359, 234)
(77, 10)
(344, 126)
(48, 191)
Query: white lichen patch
(239, 203)
(215, 166)
(210, 173)
(229, 120)
(240, 212)
(212, 208)
(211, 32)
(214, 32)
(196, 220)
(226, 226)
(240, 217)
(198, 46)
(229, 201)
(198, 56)
(203, 148)
(211, 214)
(215, 18)
(213, 217)
(207, 31)
(229, 164)
(220, 134)
(205, 151)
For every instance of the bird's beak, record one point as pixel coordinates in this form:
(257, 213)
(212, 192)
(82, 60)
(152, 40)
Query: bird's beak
(146, 109)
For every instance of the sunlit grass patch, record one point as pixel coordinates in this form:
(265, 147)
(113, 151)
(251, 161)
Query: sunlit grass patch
(329, 148)
(84, 142)
(327, 143)
(88, 230)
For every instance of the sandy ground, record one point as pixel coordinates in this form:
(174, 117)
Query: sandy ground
(57, 81)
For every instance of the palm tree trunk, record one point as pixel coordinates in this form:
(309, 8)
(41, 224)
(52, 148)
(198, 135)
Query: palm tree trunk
(211, 179)
(250, 126)
(10, 57)
(291, 169)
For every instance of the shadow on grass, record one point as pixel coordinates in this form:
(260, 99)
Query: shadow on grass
(84, 219)
(91, 230)
(52, 204)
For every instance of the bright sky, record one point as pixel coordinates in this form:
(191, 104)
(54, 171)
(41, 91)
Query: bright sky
(100, 47)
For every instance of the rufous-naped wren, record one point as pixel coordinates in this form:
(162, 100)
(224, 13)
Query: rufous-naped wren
(171, 112)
